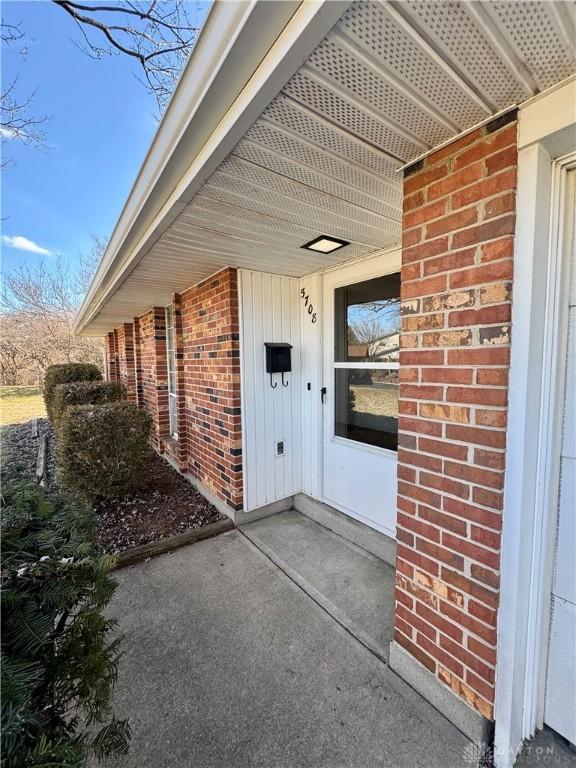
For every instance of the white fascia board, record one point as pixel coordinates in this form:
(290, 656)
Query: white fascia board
(245, 54)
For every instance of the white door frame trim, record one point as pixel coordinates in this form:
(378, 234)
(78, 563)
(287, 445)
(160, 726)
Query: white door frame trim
(547, 133)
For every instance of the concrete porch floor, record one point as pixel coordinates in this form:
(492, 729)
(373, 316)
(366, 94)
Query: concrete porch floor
(228, 662)
(355, 587)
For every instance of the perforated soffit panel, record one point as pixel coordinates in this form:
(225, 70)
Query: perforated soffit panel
(390, 81)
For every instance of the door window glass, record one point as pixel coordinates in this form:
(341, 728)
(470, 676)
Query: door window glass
(366, 361)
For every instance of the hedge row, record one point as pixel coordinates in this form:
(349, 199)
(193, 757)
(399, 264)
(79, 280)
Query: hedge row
(84, 393)
(103, 450)
(65, 373)
(102, 440)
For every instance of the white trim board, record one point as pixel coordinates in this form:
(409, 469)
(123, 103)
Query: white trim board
(546, 134)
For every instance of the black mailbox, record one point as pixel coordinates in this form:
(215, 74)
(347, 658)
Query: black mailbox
(277, 357)
(278, 360)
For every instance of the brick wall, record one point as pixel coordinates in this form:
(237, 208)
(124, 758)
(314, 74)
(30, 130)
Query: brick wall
(457, 267)
(211, 376)
(125, 359)
(207, 350)
(153, 380)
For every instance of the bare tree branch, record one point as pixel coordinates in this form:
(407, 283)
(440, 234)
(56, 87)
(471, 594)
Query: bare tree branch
(156, 35)
(17, 121)
(377, 319)
(11, 33)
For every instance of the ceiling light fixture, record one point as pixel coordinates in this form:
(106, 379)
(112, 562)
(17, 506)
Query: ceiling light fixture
(325, 244)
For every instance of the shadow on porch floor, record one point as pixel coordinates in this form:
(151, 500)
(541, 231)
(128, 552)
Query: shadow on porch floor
(353, 586)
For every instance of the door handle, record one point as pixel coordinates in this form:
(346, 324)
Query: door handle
(322, 394)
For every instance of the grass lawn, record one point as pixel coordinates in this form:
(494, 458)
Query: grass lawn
(18, 404)
(382, 401)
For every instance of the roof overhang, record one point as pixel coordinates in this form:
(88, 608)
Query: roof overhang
(245, 52)
(294, 119)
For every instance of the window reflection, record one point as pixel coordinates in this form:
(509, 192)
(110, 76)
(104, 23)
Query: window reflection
(366, 406)
(367, 330)
(368, 321)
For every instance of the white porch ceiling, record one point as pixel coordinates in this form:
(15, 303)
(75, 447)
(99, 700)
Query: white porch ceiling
(389, 82)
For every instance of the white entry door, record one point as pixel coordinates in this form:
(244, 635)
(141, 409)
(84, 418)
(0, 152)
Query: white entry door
(360, 404)
(560, 703)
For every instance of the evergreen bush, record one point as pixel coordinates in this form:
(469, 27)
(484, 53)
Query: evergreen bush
(84, 393)
(64, 373)
(59, 653)
(103, 450)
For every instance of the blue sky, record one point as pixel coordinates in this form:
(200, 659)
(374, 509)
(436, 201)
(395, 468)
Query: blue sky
(101, 124)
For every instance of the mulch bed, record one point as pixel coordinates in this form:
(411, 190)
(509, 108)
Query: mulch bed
(165, 505)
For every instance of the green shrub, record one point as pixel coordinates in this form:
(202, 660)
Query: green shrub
(84, 393)
(103, 450)
(59, 653)
(64, 373)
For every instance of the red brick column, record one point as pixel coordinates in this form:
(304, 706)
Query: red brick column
(111, 357)
(458, 226)
(126, 365)
(152, 336)
(137, 361)
(210, 333)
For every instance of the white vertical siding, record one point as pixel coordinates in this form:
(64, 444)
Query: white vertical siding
(311, 367)
(269, 312)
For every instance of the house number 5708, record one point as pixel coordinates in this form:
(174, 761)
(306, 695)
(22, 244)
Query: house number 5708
(306, 299)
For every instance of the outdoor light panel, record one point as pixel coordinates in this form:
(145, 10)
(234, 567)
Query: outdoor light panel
(325, 244)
